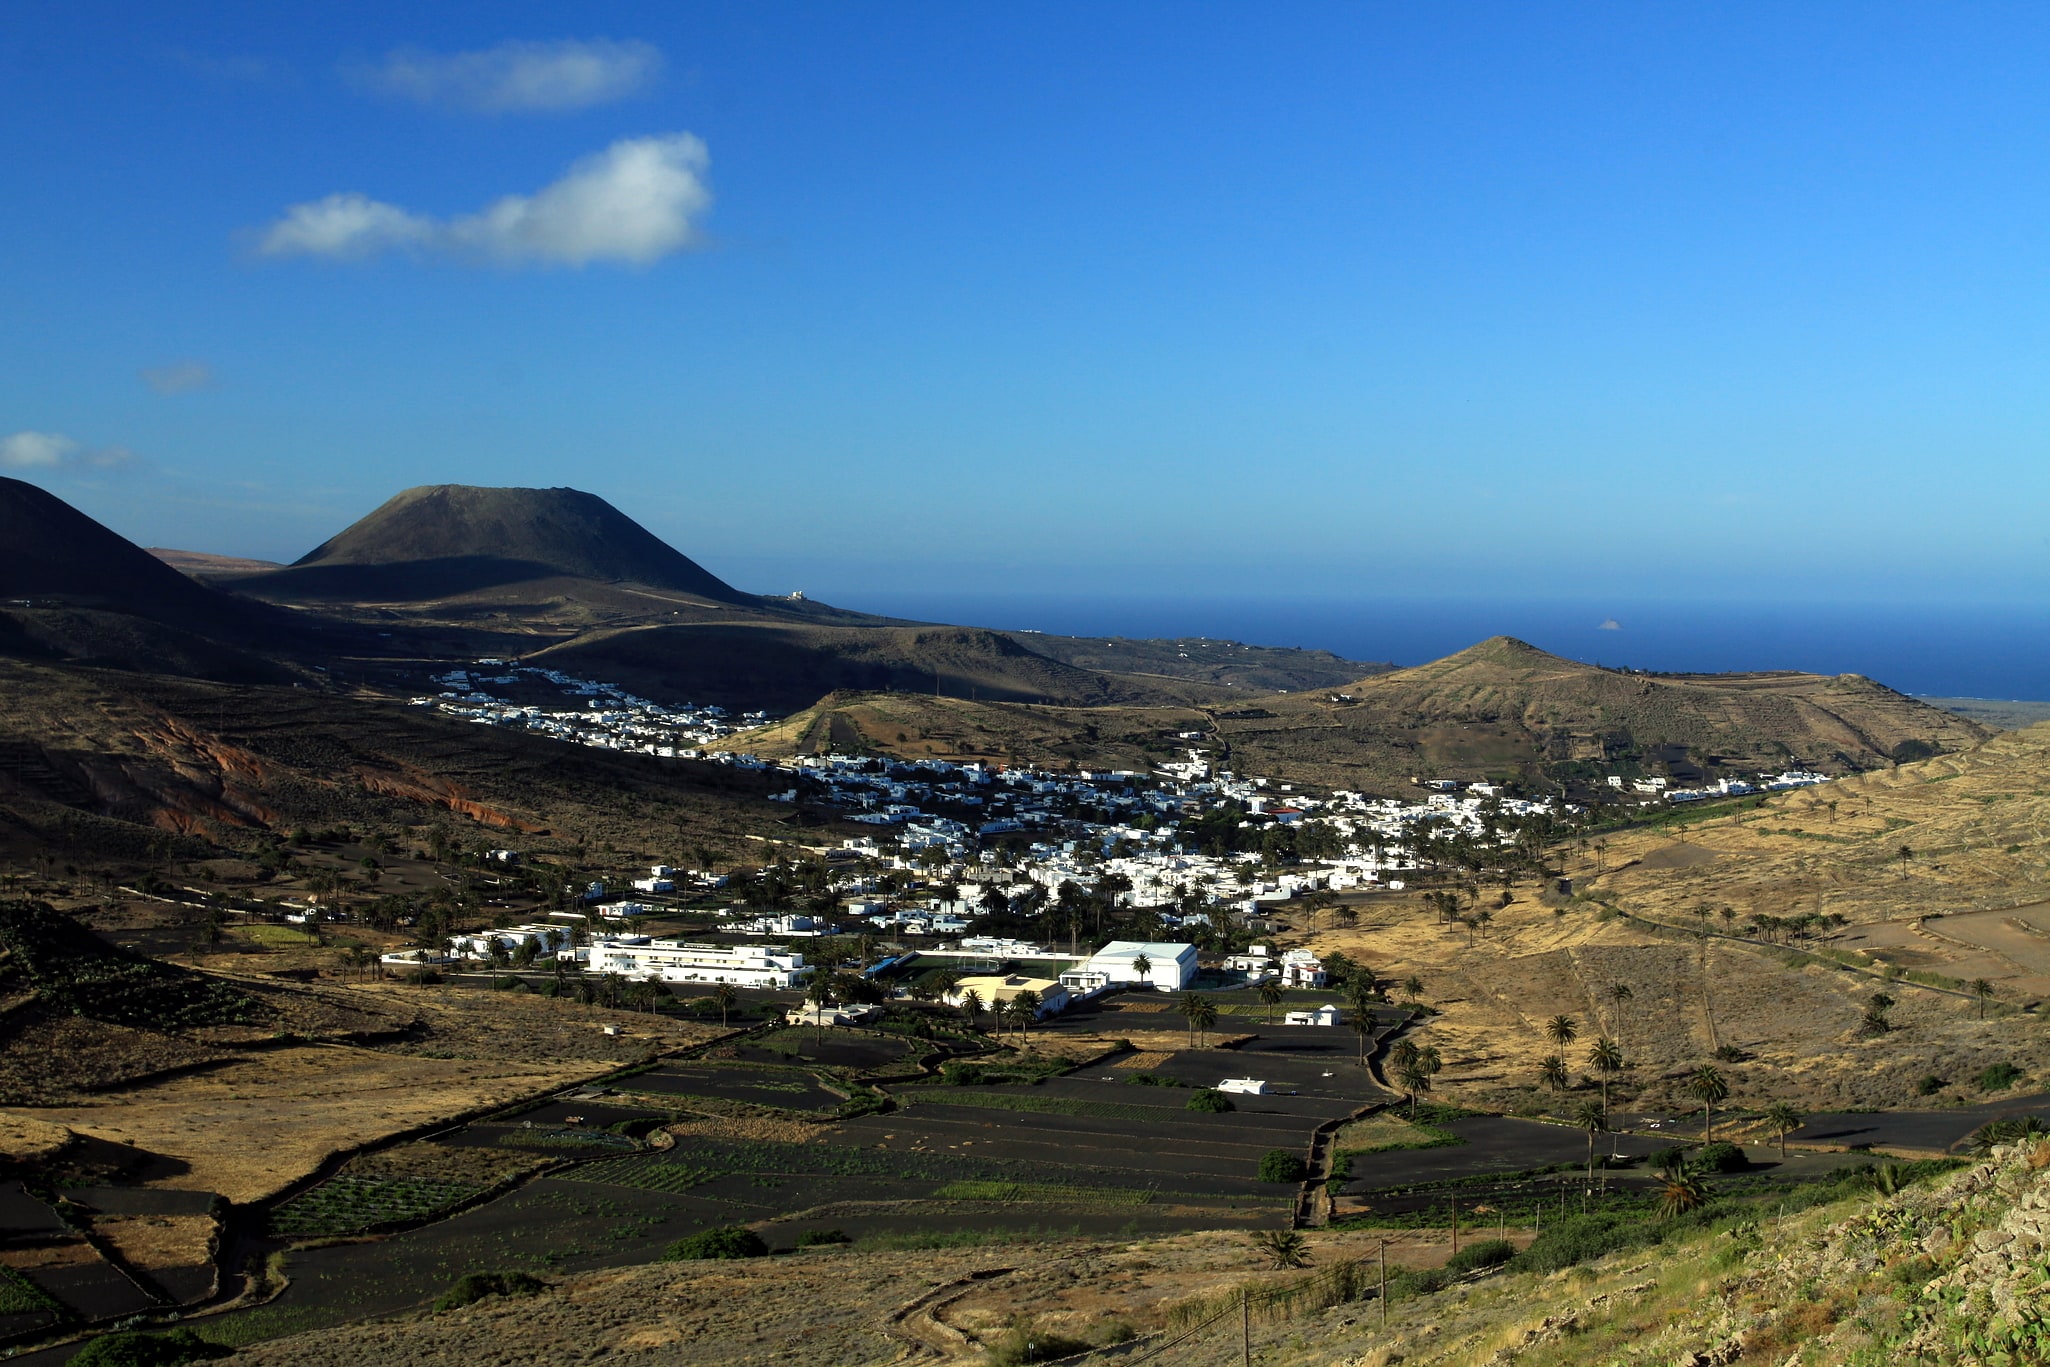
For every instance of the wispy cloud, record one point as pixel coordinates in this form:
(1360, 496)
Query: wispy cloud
(518, 77)
(49, 452)
(250, 70)
(634, 203)
(179, 377)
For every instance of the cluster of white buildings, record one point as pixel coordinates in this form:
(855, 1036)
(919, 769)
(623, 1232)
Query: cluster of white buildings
(674, 961)
(1737, 787)
(607, 716)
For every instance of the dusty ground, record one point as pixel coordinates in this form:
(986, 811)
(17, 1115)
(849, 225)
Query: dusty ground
(26, 1139)
(159, 1242)
(1978, 825)
(834, 1306)
(252, 1126)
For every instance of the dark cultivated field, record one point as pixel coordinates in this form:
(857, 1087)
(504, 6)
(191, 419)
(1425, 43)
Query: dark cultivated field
(1492, 1144)
(1928, 1130)
(93, 1291)
(789, 1088)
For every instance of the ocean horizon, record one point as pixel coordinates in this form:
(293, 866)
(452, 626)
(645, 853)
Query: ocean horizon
(1995, 651)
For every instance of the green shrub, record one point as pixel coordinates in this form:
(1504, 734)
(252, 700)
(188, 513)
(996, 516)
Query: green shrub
(1421, 1282)
(1999, 1077)
(131, 1349)
(819, 1238)
(1930, 1085)
(731, 1241)
(1027, 1343)
(476, 1286)
(1210, 1100)
(1154, 1080)
(1719, 1157)
(1487, 1253)
(1583, 1238)
(1279, 1165)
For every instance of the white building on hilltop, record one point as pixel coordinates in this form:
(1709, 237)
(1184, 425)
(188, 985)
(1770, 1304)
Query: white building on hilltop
(1169, 967)
(672, 961)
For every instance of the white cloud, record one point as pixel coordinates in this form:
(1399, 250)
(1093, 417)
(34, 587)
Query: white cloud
(36, 450)
(346, 226)
(635, 202)
(1611, 624)
(179, 377)
(519, 76)
(51, 451)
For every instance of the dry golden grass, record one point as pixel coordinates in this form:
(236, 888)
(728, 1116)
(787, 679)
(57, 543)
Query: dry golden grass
(249, 1128)
(252, 1128)
(155, 1242)
(26, 1139)
(1801, 1023)
(839, 1306)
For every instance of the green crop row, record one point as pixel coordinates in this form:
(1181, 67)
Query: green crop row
(20, 1296)
(347, 1204)
(646, 1174)
(1046, 1105)
(566, 1139)
(1042, 1191)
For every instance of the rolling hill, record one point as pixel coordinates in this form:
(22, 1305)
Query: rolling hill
(1502, 708)
(783, 666)
(1505, 708)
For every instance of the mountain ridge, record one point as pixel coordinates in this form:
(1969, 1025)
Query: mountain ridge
(440, 540)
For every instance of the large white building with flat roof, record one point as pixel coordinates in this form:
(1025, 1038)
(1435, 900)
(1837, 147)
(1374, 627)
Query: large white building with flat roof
(1169, 967)
(672, 961)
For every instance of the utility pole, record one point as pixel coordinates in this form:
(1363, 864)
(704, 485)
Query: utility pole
(1246, 1325)
(1384, 1283)
(1455, 1228)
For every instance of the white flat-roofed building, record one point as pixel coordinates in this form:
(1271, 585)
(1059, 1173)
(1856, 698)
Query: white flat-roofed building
(672, 961)
(1326, 1014)
(1169, 967)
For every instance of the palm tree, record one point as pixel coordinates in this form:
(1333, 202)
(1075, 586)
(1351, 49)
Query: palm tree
(1619, 993)
(1553, 1071)
(724, 997)
(820, 994)
(1027, 1003)
(1286, 1247)
(1680, 1195)
(1562, 1030)
(1362, 1025)
(1606, 1059)
(1783, 1121)
(1983, 990)
(1707, 1086)
(1414, 986)
(1019, 1015)
(1594, 1119)
(1202, 1014)
(1143, 966)
(971, 1006)
(1907, 853)
(1415, 1079)
(1270, 996)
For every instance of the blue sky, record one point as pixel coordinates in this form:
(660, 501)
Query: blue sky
(1334, 300)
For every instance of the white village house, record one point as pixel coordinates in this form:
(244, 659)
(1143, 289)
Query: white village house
(1168, 967)
(672, 961)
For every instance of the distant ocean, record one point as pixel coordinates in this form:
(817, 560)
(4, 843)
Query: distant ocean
(1962, 651)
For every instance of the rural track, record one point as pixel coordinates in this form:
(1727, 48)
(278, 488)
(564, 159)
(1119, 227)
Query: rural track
(916, 1324)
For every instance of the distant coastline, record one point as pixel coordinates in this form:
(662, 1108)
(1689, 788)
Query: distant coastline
(1987, 652)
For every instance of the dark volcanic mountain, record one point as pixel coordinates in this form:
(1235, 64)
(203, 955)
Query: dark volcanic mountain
(72, 590)
(442, 540)
(51, 553)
